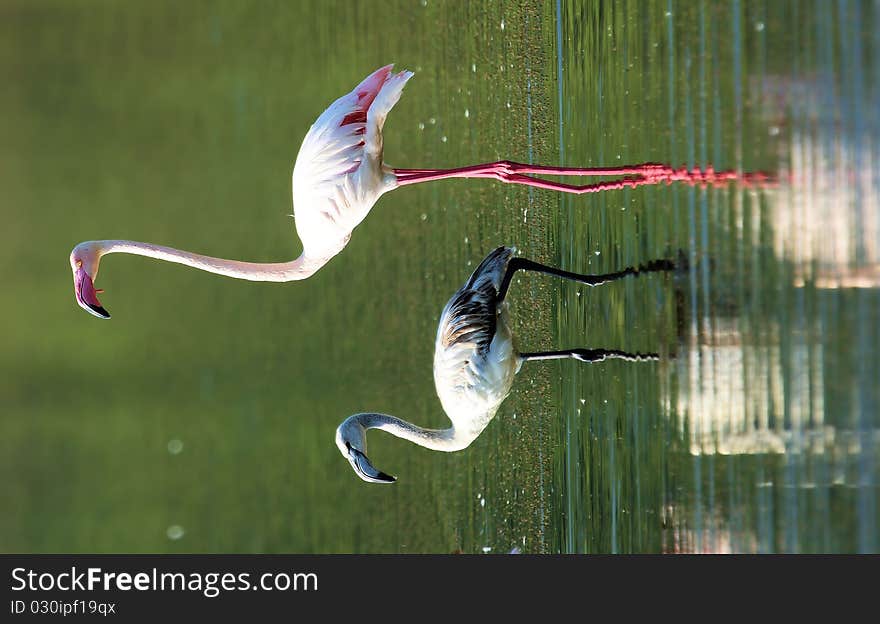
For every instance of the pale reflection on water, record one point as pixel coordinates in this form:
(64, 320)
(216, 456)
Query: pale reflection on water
(769, 401)
(733, 394)
(826, 219)
(800, 382)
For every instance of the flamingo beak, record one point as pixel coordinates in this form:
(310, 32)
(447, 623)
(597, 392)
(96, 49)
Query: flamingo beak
(365, 470)
(86, 295)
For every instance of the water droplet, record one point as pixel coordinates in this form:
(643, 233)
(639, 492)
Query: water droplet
(174, 532)
(175, 446)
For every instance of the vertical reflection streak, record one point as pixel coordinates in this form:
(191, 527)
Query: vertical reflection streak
(707, 355)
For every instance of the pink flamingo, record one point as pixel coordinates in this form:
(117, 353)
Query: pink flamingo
(339, 174)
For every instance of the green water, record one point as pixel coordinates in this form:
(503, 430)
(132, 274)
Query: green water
(201, 417)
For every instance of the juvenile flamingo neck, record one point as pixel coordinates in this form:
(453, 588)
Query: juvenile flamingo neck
(447, 440)
(298, 269)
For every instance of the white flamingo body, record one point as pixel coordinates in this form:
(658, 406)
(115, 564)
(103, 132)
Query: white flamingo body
(339, 174)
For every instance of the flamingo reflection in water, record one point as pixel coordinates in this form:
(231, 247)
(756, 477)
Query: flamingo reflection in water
(475, 360)
(338, 176)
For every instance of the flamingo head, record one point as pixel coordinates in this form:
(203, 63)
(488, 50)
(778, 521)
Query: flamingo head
(351, 440)
(84, 260)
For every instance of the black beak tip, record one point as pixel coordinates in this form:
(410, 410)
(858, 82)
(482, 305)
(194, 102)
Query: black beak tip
(386, 478)
(365, 469)
(100, 311)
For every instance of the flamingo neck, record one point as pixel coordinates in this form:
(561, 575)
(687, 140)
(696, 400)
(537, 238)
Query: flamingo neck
(298, 269)
(446, 440)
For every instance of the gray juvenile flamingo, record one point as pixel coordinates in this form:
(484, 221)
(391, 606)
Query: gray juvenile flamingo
(475, 361)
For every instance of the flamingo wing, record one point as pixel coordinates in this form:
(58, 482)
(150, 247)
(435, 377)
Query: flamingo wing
(468, 326)
(468, 321)
(332, 146)
(326, 198)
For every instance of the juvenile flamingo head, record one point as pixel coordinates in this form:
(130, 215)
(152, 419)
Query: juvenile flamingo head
(84, 260)
(351, 440)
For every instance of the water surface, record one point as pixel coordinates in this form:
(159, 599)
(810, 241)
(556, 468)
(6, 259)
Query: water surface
(201, 418)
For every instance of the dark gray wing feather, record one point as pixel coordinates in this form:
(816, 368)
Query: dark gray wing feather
(470, 316)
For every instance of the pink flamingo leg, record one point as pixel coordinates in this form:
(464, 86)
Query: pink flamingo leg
(646, 173)
(597, 187)
(506, 166)
(526, 180)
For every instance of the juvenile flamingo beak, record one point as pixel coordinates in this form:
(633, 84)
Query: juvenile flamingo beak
(365, 469)
(86, 295)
